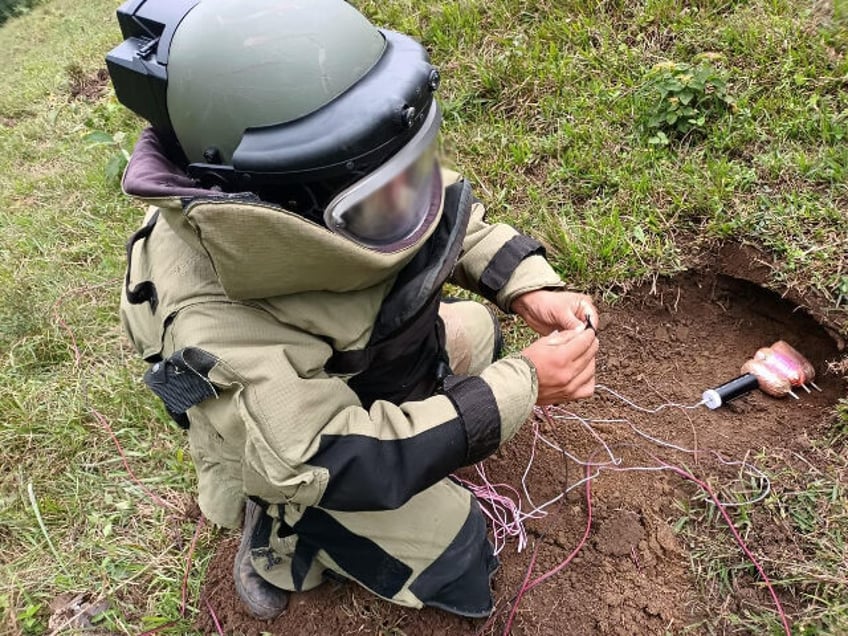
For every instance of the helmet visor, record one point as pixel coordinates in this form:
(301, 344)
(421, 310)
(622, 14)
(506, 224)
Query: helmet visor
(386, 209)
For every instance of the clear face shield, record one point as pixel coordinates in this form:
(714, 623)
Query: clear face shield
(387, 209)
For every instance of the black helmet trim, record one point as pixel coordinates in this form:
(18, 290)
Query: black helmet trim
(346, 137)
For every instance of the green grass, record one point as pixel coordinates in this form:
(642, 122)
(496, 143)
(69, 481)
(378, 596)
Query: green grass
(545, 107)
(12, 8)
(800, 527)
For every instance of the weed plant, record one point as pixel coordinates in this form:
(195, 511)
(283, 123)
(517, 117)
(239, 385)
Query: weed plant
(544, 105)
(12, 8)
(680, 98)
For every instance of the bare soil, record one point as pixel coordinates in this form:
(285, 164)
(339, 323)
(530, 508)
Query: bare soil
(88, 87)
(664, 342)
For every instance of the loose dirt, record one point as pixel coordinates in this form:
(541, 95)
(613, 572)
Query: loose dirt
(86, 87)
(664, 343)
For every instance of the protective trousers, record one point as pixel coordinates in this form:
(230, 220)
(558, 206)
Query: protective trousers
(433, 550)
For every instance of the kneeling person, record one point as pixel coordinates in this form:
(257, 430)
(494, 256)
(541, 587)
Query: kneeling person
(286, 289)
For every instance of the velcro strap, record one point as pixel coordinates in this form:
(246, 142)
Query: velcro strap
(145, 291)
(504, 262)
(478, 409)
(182, 381)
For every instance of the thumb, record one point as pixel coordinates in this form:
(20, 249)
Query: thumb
(556, 337)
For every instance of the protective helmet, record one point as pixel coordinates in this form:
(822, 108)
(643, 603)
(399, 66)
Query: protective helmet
(280, 95)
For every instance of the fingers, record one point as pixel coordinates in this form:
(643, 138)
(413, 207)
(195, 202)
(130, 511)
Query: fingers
(546, 311)
(565, 365)
(579, 311)
(579, 387)
(578, 376)
(587, 312)
(582, 385)
(573, 345)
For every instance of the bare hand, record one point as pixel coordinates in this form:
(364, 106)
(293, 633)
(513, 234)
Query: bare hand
(565, 365)
(546, 311)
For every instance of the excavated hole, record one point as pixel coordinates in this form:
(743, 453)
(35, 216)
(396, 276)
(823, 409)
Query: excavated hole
(665, 342)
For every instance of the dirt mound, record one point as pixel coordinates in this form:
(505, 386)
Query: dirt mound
(665, 343)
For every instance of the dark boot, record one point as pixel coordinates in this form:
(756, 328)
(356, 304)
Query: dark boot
(262, 599)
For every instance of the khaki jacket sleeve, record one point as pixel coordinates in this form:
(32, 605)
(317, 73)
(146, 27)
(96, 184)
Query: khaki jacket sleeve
(500, 263)
(305, 438)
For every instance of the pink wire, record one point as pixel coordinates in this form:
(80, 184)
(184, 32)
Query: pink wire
(197, 529)
(521, 592)
(214, 618)
(153, 496)
(504, 513)
(526, 587)
(739, 540)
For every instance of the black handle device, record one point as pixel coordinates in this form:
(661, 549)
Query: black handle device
(737, 387)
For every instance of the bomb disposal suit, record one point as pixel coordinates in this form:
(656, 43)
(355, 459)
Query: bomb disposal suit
(285, 288)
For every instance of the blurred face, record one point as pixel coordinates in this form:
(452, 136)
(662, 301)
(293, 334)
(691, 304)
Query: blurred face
(397, 209)
(388, 207)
